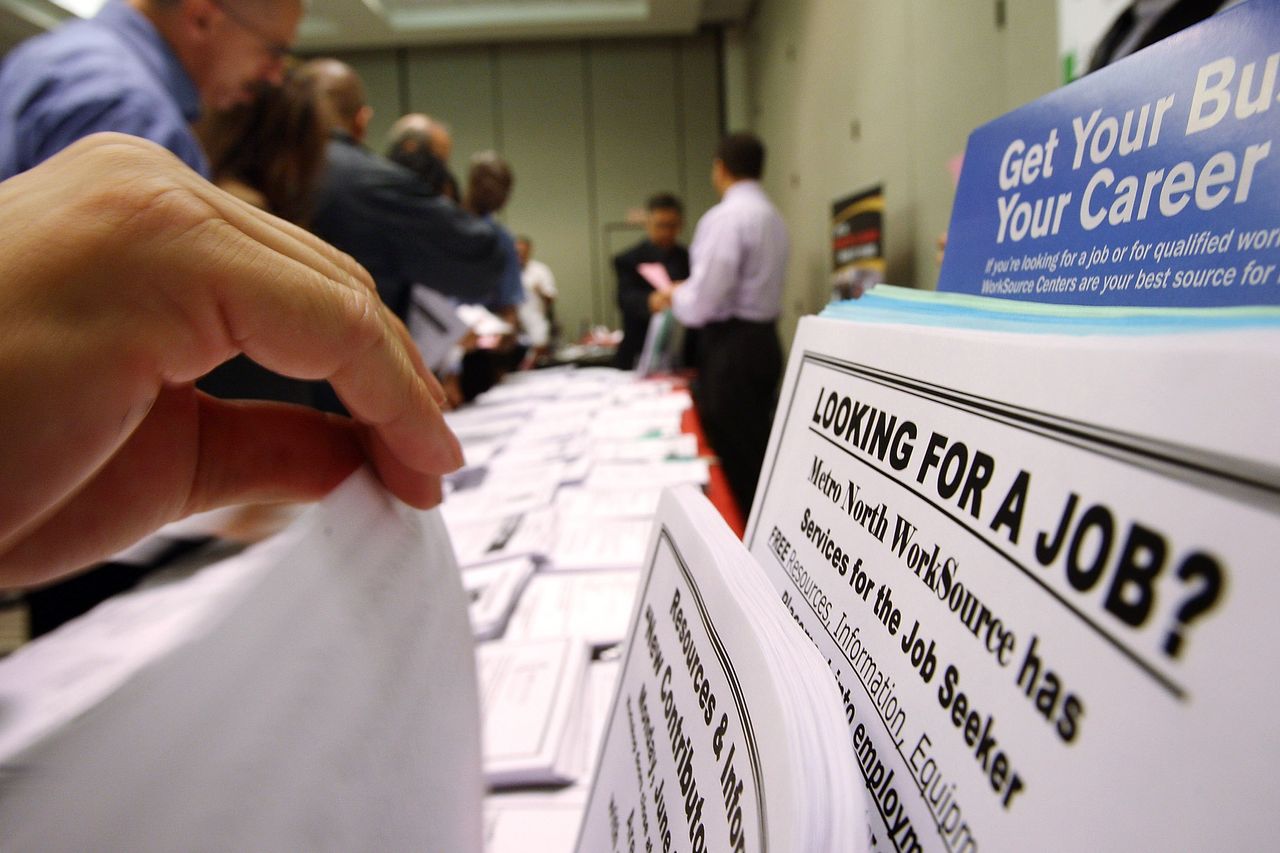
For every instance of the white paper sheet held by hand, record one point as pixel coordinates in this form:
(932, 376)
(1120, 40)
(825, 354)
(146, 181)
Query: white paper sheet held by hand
(317, 691)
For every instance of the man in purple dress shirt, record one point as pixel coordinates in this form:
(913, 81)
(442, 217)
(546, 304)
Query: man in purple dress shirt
(734, 295)
(141, 67)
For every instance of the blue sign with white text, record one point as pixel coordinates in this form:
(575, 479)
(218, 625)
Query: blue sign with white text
(1154, 181)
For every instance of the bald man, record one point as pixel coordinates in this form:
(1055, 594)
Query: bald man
(141, 67)
(386, 217)
(413, 142)
(438, 134)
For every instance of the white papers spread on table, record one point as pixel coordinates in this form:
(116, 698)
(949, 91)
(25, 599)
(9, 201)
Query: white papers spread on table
(612, 427)
(544, 430)
(671, 402)
(477, 453)
(514, 412)
(602, 683)
(507, 393)
(316, 690)
(1038, 548)
(533, 697)
(610, 442)
(671, 472)
(483, 540)
(547, 820)
(621, 501)
(500, 496)
(726, 731)
(434, 325)
(494, 589)
(594, 543)
(591, 605)
(485, 430)
(518, 453)
(646, 449)
(524, 822)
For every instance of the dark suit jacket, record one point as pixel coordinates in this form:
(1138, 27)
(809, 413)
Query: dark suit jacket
(389, 220)
(633, 293)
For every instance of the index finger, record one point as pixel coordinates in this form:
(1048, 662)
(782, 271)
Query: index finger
(299, 244)
(313, 323)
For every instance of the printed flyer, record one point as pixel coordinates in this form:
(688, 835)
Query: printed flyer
(1041, 568)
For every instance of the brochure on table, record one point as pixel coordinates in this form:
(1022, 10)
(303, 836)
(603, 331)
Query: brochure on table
(1153, 181)
(1040, 564)
(725, 732)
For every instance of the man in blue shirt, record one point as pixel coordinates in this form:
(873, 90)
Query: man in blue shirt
(144, 68)
(141, 67)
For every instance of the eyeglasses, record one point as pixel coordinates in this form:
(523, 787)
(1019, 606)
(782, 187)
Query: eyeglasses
(278, 50)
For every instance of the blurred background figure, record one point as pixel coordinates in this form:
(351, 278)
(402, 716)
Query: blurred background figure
(537, 313)
(142, 67)
(664, 220)
(734, 295)
(270, 152)
(438, 134)
(385, 216)
(1145, 22)
(422, 145)
(489, 185)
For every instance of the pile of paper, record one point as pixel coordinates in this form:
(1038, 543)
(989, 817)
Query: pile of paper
(726, 731)
(494, 589)
(535, 723)
(564, 467)
(1036, 544)
(551, 519)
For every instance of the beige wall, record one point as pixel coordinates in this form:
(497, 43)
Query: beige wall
(591, 129)
(851, 93)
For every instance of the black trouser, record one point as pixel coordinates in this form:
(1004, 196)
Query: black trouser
(740, 363)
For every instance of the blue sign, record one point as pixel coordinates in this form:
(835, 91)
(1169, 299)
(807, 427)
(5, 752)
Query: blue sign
(1154, 181)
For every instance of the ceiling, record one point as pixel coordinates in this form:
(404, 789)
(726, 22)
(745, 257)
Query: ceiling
(355, 23)
(348, 24)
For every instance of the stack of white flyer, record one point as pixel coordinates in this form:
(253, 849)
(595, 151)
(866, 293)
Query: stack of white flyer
(494, 589)
(483, 540)
(594, 543)
(1038, 546)
(650, 474)
(533, 695)
(591, 605)
(726, 732)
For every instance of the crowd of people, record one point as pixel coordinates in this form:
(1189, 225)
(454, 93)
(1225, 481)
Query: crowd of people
(196, 221)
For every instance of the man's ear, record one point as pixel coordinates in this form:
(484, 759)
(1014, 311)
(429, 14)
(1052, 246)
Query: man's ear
(361, 123)
(199, 18)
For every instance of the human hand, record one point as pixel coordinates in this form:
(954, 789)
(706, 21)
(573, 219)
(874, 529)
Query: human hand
(124, 277)
(659, 300)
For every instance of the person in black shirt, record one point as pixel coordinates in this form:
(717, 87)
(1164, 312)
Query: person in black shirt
(663, 222)
(1144, 22)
